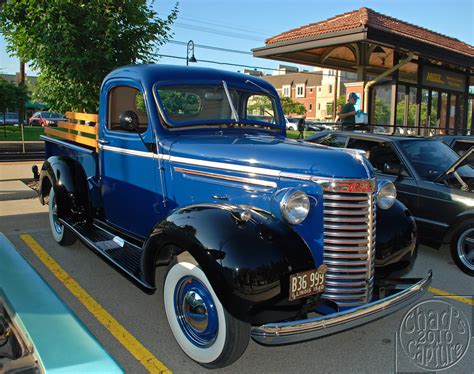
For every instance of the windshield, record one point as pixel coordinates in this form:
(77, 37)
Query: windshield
(220, 104)
(430, 158)
(51, 115)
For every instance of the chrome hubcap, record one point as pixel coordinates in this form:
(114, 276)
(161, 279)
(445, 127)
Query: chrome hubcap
(195, 311)
(465, 248)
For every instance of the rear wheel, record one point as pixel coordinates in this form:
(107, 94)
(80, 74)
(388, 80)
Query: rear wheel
(462, 247)
(205, 331)
(62, 235)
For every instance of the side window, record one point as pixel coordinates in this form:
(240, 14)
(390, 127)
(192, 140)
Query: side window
(338, 141)
(260, 108)
(462, 147)
(384, 159)
(124, 98)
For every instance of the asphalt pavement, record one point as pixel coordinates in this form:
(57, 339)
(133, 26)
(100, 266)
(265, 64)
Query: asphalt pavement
(372, 348)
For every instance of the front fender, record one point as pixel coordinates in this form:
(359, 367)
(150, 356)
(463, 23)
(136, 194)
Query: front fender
(396, 247)
(69, 181)
(248, 263)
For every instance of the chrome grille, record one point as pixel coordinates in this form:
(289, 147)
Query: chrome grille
(349, 247)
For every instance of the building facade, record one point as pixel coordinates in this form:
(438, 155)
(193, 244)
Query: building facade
(410, 80)
(299, 86)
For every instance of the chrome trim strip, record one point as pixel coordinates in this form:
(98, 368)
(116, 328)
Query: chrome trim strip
(295, 331)
(69, 145)
(224, 166)
(432, 222)
(253, 170)
(257, 182)
(130, 152)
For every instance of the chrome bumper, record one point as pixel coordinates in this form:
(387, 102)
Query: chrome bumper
(295, 331)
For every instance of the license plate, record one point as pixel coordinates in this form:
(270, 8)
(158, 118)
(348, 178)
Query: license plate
(308, 282)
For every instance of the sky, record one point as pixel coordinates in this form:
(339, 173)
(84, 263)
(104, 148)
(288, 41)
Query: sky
(242, 25)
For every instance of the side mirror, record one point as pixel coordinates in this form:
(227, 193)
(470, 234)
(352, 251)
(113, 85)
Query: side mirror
(129, 121)
(392, 168)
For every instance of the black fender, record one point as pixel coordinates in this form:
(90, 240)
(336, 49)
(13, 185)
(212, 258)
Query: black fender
(69, 181)
(396, 241)
(248, 263)
(462, 217)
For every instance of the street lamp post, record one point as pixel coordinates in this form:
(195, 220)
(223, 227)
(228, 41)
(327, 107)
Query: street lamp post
(190, 53)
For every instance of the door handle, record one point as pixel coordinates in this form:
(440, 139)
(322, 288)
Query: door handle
(102, 141)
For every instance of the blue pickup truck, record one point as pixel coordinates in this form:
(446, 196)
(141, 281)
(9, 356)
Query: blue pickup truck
(262, 236)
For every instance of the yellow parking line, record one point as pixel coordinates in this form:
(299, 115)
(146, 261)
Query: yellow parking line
(143, 355)
(451, 296)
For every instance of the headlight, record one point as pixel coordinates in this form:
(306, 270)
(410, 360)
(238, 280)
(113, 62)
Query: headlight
(386, 195)
(294, 206)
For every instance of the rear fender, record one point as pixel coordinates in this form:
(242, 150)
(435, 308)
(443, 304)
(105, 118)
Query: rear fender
(69, 181)
(248, 263)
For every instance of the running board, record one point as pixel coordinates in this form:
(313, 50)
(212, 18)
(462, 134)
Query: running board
(124, 256)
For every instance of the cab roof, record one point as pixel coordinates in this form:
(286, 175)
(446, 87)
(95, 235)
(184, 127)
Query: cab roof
(148, 74)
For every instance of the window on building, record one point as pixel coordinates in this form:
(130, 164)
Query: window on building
(411, 115)
(470, 117)
(381, 105)
(310, 90)
(310, 106)
(443, 114)
(434, 109)
(287, 91)
(330, 88)
(319, 89)
(319, 106)
(424, 112)
(452, 113)
(300, 88)
(329, 108)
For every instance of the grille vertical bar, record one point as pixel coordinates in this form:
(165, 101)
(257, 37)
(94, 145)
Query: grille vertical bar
(349, 247)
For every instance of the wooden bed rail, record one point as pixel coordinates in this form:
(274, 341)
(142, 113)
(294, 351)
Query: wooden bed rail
(74, 129)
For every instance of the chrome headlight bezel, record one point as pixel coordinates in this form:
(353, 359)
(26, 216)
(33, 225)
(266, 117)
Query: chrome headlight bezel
(386, 194)
(294, 206)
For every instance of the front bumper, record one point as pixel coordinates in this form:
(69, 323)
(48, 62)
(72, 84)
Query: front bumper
(295, 331)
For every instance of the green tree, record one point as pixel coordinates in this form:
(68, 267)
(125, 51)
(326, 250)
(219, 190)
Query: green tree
(292, 107)
(11, 96)
(260, 104)
(75, 43)
(381, 112)
(341, 100)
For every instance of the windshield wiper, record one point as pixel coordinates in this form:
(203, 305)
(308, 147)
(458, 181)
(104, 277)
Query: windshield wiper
(227, 93)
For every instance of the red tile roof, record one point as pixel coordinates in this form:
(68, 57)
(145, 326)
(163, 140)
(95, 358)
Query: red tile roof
(367, 18)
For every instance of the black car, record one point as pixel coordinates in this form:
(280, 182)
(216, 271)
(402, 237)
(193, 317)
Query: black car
(460, 143)
(432, 180)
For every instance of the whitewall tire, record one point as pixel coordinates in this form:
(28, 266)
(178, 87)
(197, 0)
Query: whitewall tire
(61, 234)
(204, 330)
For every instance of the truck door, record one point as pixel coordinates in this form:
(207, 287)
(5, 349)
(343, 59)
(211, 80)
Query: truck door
(127, 161)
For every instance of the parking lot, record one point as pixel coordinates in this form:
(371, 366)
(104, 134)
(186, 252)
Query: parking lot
(133, 328)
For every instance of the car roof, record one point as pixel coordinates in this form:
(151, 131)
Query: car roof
(467, 138)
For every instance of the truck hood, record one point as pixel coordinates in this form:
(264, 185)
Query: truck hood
(269, 153)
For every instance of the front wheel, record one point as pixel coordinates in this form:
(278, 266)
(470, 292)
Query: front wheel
(62, 235)
(462, 247)
(205, 331)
